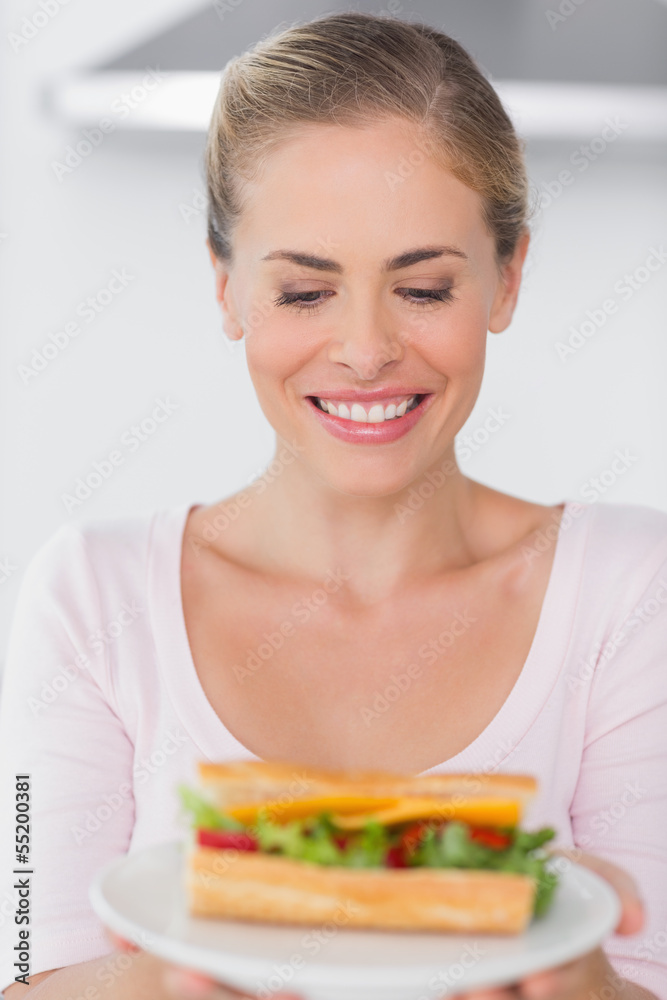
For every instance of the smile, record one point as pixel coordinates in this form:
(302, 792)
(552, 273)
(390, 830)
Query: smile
(374, 421)
(371, 413)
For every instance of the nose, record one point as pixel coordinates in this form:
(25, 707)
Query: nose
(368, 342)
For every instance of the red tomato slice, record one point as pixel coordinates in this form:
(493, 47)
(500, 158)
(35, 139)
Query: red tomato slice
(226, 838)
(394, 858)
(412, 835)
(489, 838)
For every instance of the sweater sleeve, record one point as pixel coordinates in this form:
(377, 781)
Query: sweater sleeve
(619, 809)
(58, 725)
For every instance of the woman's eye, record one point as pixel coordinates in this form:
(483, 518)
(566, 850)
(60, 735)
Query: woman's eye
(427, 294)
(299, 300)
(310, 300)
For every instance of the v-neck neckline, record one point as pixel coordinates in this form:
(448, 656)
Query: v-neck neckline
(486, 752)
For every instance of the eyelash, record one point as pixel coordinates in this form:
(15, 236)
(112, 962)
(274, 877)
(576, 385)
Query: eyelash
(296, 300)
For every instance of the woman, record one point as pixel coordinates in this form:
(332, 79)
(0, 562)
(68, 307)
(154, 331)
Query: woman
(367, 228)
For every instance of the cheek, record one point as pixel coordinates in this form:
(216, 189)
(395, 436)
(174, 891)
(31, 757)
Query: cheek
(457, 345)
(275, 348)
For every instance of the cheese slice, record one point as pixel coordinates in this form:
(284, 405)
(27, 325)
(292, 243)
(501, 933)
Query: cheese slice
(479, 811)
(298, 808)
(350, 812)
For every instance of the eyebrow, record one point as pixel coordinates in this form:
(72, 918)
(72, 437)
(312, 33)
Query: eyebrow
(406, 259)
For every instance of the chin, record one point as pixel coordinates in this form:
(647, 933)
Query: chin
(376, 477)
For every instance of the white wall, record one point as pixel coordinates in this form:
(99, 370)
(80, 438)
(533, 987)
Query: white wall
(161, 337)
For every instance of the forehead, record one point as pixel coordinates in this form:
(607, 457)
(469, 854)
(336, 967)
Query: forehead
(371, 189)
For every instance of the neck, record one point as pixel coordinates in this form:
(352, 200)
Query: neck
(301, 525)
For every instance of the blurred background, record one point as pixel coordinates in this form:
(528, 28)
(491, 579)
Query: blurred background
(108, 312)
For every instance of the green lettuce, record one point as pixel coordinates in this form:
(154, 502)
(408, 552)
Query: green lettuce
(204, 815)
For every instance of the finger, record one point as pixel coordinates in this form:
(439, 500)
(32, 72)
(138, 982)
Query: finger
(183, 984)
(121, 943)
(550, 982)
(632, 907)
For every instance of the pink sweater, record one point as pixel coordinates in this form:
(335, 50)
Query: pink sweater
(102, 706)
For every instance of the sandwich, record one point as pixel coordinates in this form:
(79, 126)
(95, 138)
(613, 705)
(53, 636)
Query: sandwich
(276, 842)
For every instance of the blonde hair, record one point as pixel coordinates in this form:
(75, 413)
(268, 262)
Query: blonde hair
(355, 69)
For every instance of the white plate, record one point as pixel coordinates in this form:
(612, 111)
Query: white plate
(141, 896)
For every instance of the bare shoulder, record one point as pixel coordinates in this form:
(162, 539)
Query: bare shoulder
(220, 548)
(504, 523)
(216, 530)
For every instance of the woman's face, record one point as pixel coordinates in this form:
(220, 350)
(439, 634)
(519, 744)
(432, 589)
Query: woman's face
(364, 276)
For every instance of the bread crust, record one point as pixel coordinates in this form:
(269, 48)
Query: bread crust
(247, 781)
(252, 886)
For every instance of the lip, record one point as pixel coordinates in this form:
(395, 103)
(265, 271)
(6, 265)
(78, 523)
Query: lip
(371, 395)
(365, 433)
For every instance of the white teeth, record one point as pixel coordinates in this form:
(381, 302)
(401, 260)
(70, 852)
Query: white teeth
(377, 413)
(358, 413)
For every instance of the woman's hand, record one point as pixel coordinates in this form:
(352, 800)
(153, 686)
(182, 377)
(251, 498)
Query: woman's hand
(592, 973)
(183, 984)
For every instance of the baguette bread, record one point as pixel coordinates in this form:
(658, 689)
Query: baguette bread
(244, 781)
(265, 887)
(257, 886)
